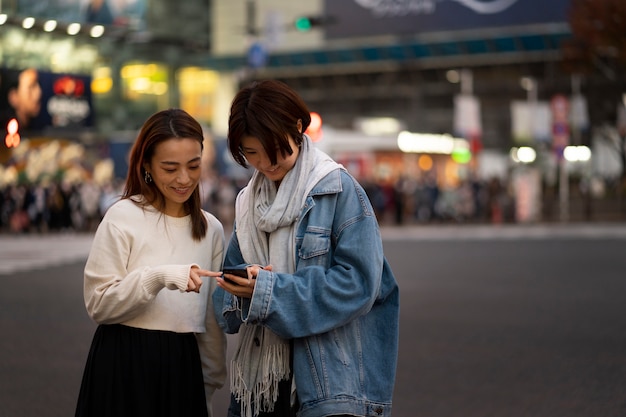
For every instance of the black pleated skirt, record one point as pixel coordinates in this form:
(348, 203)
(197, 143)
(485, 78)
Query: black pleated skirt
(134, 372)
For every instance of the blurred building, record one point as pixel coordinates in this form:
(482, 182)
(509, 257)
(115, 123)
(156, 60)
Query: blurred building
(130, 58)
(482, 72)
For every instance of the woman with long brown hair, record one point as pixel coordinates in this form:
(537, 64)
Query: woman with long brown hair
(157, 350)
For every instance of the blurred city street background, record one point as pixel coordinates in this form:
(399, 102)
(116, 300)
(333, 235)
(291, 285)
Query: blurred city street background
(495, 321)
(489, 135)
(449, 111)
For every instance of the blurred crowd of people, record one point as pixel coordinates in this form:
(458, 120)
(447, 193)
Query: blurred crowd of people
(411, 201)
(60, 206)
(56, 206)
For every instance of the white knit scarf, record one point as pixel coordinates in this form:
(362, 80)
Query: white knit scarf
(265, 219)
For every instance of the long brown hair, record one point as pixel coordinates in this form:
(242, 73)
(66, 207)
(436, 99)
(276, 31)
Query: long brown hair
(268, 110)
(162, 126)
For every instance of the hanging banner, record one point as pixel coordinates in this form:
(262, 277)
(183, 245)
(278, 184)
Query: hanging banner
(467, 118)
(560, 107)
(579, 114)
(531, 122)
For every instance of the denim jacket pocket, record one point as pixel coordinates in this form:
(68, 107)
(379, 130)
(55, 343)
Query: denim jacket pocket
(314, 243)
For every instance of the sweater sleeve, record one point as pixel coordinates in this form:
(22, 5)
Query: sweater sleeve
(212, 347)
(114, 294)
(212, 343)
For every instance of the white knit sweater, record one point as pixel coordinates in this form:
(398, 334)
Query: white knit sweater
(137, 273)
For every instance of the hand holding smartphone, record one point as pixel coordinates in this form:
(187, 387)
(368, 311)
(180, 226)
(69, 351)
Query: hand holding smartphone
(238, 271)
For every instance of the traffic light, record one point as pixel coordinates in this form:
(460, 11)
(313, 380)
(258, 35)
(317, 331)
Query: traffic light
(306, 23)
(315, 127)
(303, 24)
(12, 139)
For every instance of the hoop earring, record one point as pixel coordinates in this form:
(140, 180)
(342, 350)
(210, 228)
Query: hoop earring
(147, 177)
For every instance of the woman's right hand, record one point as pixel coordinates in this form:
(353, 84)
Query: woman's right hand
(195, 278)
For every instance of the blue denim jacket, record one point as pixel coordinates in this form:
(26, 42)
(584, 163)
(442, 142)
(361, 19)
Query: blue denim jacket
(340, 307)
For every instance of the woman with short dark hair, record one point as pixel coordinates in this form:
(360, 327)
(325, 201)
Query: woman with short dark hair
(317, 307)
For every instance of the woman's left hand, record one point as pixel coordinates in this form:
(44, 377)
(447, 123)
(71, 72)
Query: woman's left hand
(242, 287)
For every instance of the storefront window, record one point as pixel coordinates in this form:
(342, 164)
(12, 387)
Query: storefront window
(102, 80)
(145, 83)
(197, 91)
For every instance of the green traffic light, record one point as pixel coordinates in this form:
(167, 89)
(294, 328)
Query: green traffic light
(303, 24)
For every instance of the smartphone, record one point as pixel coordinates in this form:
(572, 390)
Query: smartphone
(240, 272)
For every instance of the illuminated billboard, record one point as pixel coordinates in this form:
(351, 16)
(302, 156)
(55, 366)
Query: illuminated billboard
(410, 17)
(40, 100)
(106, 12)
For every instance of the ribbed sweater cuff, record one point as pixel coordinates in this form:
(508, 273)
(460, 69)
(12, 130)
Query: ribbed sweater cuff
(171, 276)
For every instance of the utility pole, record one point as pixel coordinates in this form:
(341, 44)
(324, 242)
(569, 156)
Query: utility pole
(256, 53)
(251, 30)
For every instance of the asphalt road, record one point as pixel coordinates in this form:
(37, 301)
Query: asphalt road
(492, 324)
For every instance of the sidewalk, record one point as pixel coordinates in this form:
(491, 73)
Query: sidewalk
(442, 232)
(30, 252)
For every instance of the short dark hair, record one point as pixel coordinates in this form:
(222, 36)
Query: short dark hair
(268, 110)
(162, 126)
